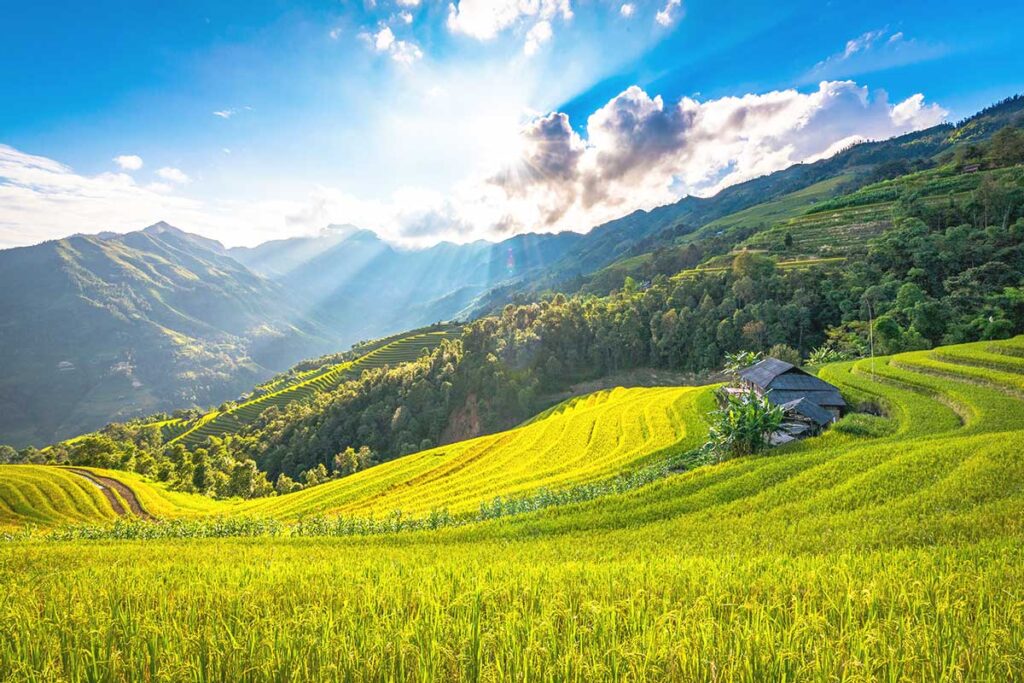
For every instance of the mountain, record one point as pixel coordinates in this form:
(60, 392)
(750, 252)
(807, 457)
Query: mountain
(96, 328)
(641, 233)
(118, 325)
(361, 287)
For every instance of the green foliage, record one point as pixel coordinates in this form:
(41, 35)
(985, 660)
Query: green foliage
(786, 353)
(742, 426)
(865, 425)
(826, 354)
(734, 362)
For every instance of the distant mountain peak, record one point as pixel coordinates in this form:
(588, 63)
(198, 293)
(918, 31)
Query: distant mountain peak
(163, 228)
(342, 229)
(160, 227)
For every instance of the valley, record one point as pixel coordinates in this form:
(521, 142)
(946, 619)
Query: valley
(901, 529)
(334, 457)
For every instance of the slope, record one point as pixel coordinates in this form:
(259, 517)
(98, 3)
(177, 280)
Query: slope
(889, 549)
(304, 385)
(363, 287)
(962, 400)
(773, 203)
(103, 328)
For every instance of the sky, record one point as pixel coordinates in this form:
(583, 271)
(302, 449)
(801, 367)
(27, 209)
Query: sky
(430, 120)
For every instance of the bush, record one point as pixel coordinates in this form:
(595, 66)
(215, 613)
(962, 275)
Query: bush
(742, 426)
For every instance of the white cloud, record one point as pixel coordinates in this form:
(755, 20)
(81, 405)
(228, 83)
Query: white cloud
(485, 19)
(665, 15)
(174, 175)
(537, 36)
(635, 152)
(405, 52)
(627, 9)
(406, 17)
(401, 51)
(384, 39)
(129, 162)
(42, 199)
(334, 33)
(225, 113)
(640, 152)
(873, 51)
(861, 42)
(409, 3)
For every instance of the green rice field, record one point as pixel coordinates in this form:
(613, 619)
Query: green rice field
(888, 549)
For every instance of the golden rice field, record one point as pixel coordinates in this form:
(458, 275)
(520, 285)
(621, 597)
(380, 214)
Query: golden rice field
(889, 549)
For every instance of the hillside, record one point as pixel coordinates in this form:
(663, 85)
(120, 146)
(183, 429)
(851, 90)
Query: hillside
(98, 328)
(760, 212)
(194, 326)
(955, 398)
(584, 440)
(304, 385)
(888, 539)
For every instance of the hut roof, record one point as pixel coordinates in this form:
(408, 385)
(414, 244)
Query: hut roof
(808, 409)
(785, 383)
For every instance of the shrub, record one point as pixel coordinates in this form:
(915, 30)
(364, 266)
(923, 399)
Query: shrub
(742, 426)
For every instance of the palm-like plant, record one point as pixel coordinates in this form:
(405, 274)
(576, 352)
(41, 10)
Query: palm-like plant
(743, 425)
(734, 362)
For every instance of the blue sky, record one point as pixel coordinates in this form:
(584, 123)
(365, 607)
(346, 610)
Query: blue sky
(430, 120)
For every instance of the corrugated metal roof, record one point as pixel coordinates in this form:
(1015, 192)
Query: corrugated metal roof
(829, 398)
(763, 372)
(809, 410)
(799, 381)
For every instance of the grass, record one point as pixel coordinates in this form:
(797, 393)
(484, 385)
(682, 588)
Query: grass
(777, 210)
(890, 548)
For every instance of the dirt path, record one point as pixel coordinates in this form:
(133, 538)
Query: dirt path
(108, 486)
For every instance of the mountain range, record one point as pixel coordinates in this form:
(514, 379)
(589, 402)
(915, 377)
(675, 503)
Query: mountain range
(104, 327)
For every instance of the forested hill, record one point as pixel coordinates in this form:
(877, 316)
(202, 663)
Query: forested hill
(664, 233)
(97, 328)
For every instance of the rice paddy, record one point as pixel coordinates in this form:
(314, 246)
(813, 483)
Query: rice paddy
(889, 548)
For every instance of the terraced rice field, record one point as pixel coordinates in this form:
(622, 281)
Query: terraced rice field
(782, 265)
(835, 231)
(890, 548)
(307, 385)
(593, 438)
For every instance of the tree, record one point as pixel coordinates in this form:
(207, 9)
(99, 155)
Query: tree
(286, 485)
(754, 332)
(247, 481)
(346, 462)
(96, 451)
(1006, 147)
(734, 362)
(826, 354)
(888, 335)
(785, 353)
(8, 455)
(315, 475)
